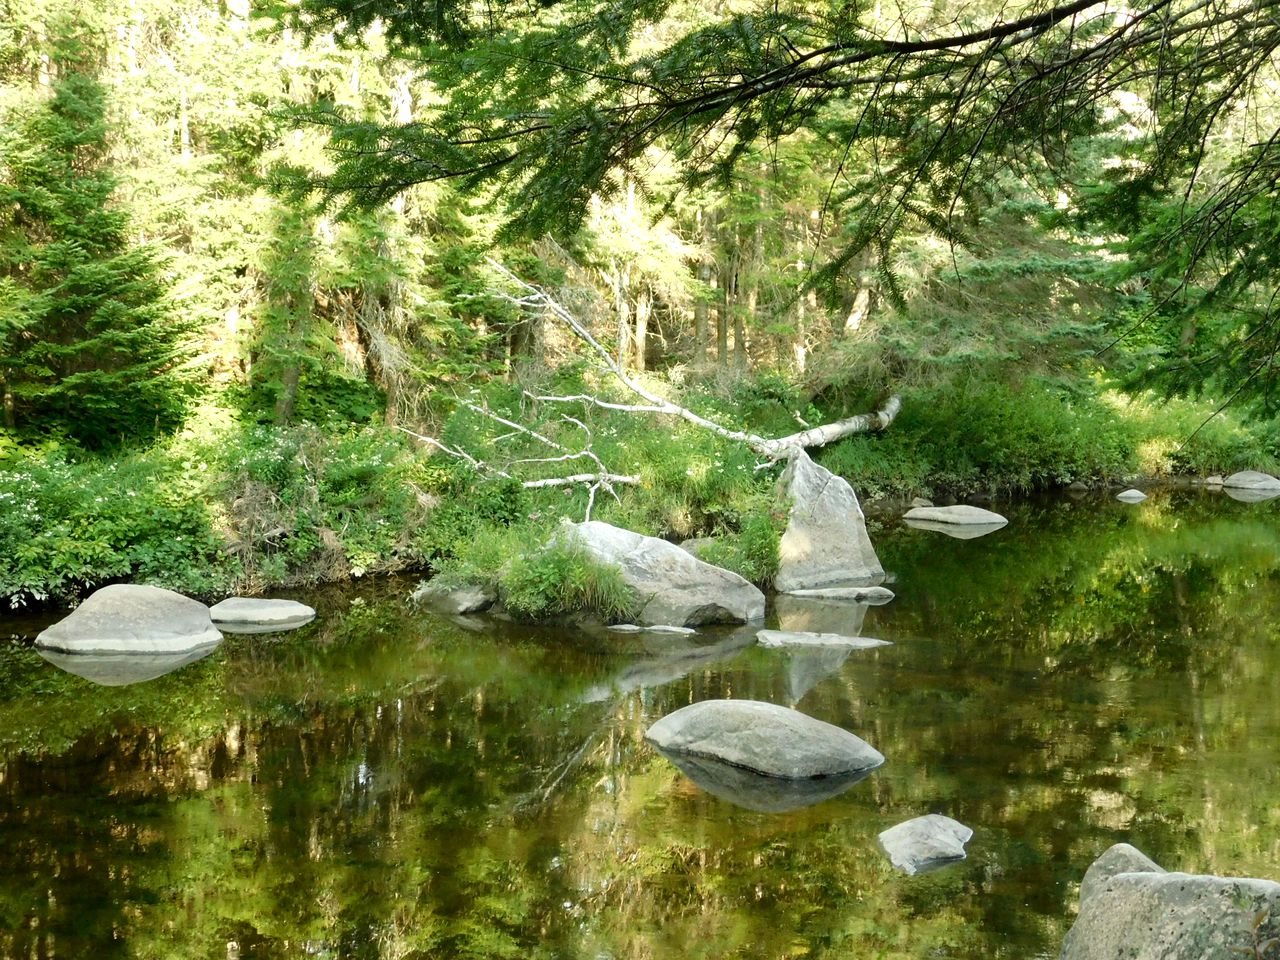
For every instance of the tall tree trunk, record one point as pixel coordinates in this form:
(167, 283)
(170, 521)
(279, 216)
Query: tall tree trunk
(288, 392)
(621, 282)
(644, 306)
(700, 307)
(10, 417)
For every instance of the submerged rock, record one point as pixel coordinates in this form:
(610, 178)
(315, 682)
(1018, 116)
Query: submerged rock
(129, 618)
(962, 513)
(1131, 496)
(1252, 480)
(1129, 910)
(251, 615)
(673, 586)
(826, 540)
(925, 843)
(771, 740)
(801, 638)
(455, 599)
(122, 669)
(755, 791)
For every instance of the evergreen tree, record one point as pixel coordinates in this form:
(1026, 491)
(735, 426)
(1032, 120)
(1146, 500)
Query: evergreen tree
(91, 346)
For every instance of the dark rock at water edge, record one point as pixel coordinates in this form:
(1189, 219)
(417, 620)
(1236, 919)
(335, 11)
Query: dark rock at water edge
(1129, 910)
(763, 737)
(925, 843)
(129, 618)
(455, 599)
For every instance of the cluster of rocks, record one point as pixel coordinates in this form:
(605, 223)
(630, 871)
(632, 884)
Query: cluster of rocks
(126, 633)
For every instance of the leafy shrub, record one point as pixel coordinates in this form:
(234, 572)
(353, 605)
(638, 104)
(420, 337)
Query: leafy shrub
(563, 578)
(751, 552)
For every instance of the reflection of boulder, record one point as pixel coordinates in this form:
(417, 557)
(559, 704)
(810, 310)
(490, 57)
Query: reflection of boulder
(673, 585)
(819, 615)
(957, 531)
(1251, 494)
(960, 514)
(1129, 909)
(826, 540)
(809, 666)
(804, 638)
(925, 843)
(122, 669)
(252, 615)
(128, 618)
(673, 659)
(763, 737)
(755, 791)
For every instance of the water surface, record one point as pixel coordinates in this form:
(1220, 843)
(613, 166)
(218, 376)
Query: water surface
(385, 783)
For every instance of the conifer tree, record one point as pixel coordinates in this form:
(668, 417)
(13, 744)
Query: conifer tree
(91, 347)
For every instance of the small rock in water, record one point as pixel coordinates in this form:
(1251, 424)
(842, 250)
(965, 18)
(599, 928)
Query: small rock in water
(960, 514)
(1131, 496)
(925, 843)
(771, 740)
(655, 628)
(869, 595)
(1214, 481)
(457, 599)
(802, 638)
(252, 615)
(920, 502)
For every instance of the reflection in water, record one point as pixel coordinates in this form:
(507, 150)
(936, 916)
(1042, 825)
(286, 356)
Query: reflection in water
(754, 791)
(958, 531)
(392, 786)
(122, 669)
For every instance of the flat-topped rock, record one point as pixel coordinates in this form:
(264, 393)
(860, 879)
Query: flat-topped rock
(254, 615)
(1252, 480)
(673, 587)
(874, 596)
(925, 843)
(1130, 907)
(826, 540)
(130, 618)
(962, 513)
(802, 638)
(652, 628)
(764, 737)
(1131, 496)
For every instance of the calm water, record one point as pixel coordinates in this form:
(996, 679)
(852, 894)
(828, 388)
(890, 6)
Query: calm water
(384, 783)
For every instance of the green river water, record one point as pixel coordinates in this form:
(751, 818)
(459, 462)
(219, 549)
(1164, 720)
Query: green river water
(385, 783)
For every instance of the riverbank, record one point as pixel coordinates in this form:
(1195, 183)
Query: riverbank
(225, 506)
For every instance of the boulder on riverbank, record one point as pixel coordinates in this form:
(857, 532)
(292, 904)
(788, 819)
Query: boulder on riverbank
(129, 618)
(764, 737)
(1252, 480)
(826, 541)
(1131, 907)
(925, 843)
(673, 586)
(253, 615)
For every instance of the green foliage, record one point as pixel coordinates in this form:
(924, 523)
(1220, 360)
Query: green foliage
(91, 346)
(562, 578)
(750, 547)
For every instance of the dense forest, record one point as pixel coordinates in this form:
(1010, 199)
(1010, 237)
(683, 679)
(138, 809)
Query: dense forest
(301, 292)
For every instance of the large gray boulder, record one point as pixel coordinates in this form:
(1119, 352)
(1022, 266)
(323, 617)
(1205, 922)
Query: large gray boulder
(128, 618)
(673, 586)
(925, 843)
(764, 737)
(826, 541)
(1252, 480)
(255, 615)
(1148, 914)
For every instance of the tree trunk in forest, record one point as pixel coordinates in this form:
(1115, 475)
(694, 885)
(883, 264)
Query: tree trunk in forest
(701, 308)
(644, 306)
(798, 351)
(288, 392)
(10, 418)
(728, 274)
(620, 281)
